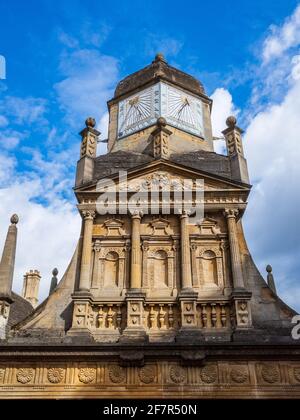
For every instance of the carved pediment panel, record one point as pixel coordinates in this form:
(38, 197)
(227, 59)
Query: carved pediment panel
(209, 226)
(160, 227)
(114, 227)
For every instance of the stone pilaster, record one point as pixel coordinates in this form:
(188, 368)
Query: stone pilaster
(186, 273)
(237, 273)
(240, 296)
(135, 298)
(136, 269)
(86, 256)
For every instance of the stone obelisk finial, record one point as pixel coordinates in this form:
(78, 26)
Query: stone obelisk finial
(7, 266)
(270, 279)
(53, 283)
(7, 263)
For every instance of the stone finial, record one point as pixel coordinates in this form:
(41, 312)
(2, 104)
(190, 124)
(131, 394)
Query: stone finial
(7, 262)
(235, 152)
(270, 279)
(14, 219)
(89, 139)
(160, 57)
(90, 122)
(31, 286)
(231, 121)
(161, 122)
(54, 280)
(161, 139)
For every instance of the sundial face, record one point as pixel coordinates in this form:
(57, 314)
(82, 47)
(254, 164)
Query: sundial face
(142, 109)
(138, 111)
(182, 110)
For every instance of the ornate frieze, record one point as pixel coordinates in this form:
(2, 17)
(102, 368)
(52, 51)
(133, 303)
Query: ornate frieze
(248, 377)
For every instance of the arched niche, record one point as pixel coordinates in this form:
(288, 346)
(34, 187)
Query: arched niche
(160, 269)
(111, 270)
(209, 267)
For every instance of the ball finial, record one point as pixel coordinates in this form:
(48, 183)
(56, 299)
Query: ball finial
(14, 219)
(160, 57)
(231, 121)
(55, 271)
(161, 122)
(90, 122)
(269, 268)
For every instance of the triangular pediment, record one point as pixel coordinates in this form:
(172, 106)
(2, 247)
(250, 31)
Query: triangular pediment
(161, 174)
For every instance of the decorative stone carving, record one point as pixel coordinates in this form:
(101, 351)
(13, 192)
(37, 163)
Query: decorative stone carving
(114, 227)
(24, 375)
(177, 374)
(55, 375)
(117, 374)
(239, 374)
(209, 374)
(297, 373)
(87, 375)
(160, 227)
(147, 374)
(209, 226)
(270, 374)
(2, 373)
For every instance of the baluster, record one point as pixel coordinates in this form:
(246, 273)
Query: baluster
(119, 316)
(204, 315)
(213, 314)
(152, 316)
(223, 315)
(100, 317)
(110, 317)
(162, 316)
(171, 316)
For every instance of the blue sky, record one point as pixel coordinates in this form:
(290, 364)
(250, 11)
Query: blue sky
(64, 59)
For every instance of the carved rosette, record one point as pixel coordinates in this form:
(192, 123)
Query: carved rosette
(147, 374)
(239, 374)
(87, 375)
(270, 374)
(55, 375)
(297, 373)
(209, 374)
(24, 375)
(177, 374)
(117, 374)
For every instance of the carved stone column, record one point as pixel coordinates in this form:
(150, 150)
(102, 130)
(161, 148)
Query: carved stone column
(135, 298)
(194, 266)
(237, 273)
(86, 256)
(186, 274)
(136, 269)
(240, 296)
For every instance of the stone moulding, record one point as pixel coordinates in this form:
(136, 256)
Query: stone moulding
(160, 371)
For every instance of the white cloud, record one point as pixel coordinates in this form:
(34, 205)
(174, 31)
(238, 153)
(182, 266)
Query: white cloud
(47, 235)
(282, 37)
(89, 80)
(24, 110)
(9, 139)
(272, 221)
(223, 106)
